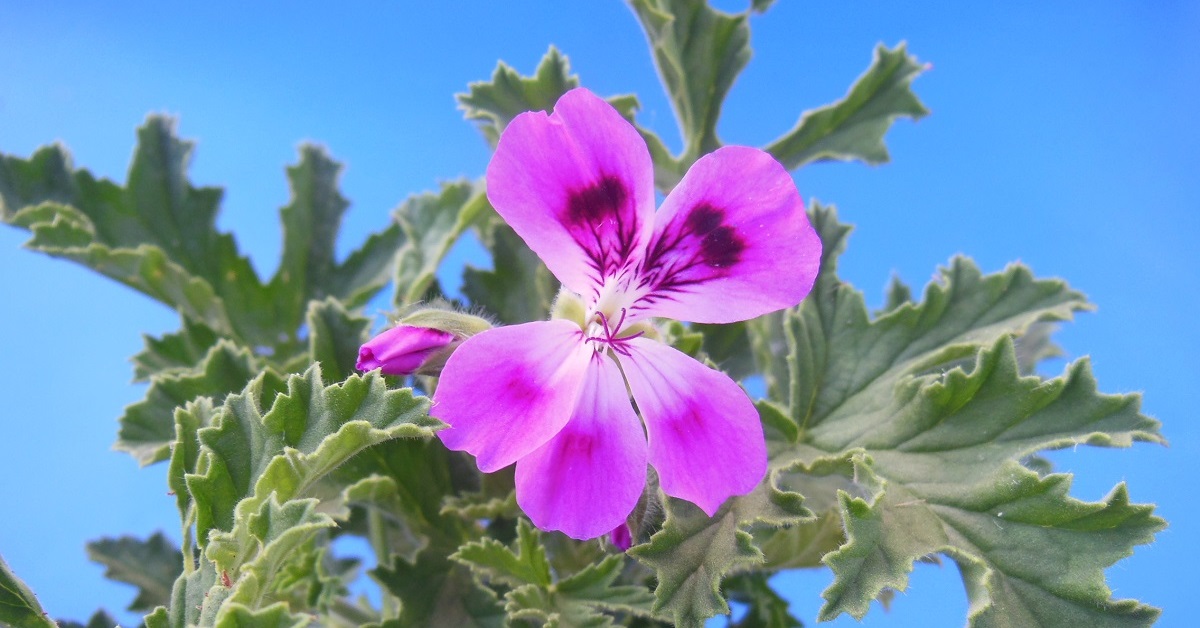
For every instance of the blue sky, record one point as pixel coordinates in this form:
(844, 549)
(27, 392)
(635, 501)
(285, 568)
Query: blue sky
(1061, 135)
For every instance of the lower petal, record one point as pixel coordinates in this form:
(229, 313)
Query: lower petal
(588, 478)
(706, 440)
(506, 391)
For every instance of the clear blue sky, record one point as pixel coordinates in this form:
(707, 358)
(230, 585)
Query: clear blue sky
(1063, 135)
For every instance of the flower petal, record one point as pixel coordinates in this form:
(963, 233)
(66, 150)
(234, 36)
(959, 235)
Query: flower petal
(731, 242)
(508, 390)
(588, 478)
(706, 441)
(577, 186)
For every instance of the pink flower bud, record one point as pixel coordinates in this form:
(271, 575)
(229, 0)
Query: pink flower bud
(405, 349)
(621, 537)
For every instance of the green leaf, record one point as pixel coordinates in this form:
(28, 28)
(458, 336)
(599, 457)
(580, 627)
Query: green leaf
(495, 103)
(148, 428)
(157, 235)
(264, 543)
(431, 223)
(172, 353)
(310, 225)
(853, 127)
(334, 337)
(583, 599)
(195, 599)
(99, 619)
(151, 565)
(385, 503)
(934, 448)
(841, 361)
(18, 605)
(520, 289)
(496, 562)
(766, 608)
(438, 592)
(698, 51)
(945, 477)
(234, 615)
(185, 453)
(308, 432)
(692, 551)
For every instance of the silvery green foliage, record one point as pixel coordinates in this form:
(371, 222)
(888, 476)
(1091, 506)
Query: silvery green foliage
(894, 437)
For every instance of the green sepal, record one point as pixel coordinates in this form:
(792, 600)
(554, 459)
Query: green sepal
(853, 127)
(151, 565)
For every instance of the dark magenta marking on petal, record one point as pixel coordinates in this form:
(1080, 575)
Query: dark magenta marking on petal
(604, 223)
(694, 248)
(593, 205)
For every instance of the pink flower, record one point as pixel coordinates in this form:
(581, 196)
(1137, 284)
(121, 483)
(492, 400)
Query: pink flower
(730, 243)
(404, 350)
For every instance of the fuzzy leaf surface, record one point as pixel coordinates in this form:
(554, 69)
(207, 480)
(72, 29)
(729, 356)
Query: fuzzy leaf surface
(148, 428)
(928, 406)
(692, 551)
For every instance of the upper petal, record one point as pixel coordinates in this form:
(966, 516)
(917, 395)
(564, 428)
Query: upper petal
(706, 440)
(508, 390)
(588, 478)
(731, 242)
(577, 186)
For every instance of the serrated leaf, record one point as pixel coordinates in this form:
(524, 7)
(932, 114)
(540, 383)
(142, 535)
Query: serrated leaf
(840, 359)
(431, 223)
(185, 454)
(698, 51)
(495, 103)
(264, 542)
(853, 128)
(692, 551)
(310, 225)
(496, 562)
(18, 605)
(943, 464)
(183, 350)
(520, 289)
(234, 615)
(148, 427)
(308, 432)
(437, 592)
(151, 565)
(392, 516)
(157, 235)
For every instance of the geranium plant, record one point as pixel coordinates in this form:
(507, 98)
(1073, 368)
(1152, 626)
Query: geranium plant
(580, 440)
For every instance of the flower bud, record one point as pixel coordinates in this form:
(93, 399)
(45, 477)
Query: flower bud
(621, 537)
(420, 344)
